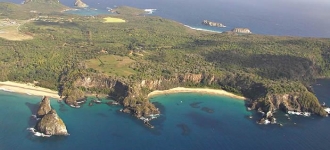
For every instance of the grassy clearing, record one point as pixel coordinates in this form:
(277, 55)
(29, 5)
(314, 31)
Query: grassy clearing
(113, 20)
(9, 30)
(112, 65)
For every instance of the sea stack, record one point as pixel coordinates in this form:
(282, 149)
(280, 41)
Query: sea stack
(44, 107)
(241, 30)
(50, 123)
(80, 4)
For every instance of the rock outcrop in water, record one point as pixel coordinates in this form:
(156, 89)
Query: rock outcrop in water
(80, 4)
(44, 107)
(52, 124)
(213, 24)
(241, 30)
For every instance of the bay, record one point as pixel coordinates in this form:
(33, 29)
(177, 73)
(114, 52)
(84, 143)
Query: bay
(186, 122)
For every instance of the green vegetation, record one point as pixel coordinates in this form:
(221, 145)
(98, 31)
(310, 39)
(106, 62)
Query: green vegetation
(112, 65)
(67, 47)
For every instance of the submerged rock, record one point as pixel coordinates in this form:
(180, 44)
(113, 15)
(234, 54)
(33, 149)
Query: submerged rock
(185, 129)
(52, 124)
(44, 107)
(208, 110)
(195, 104)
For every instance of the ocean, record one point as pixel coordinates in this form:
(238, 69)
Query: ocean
(184, 123)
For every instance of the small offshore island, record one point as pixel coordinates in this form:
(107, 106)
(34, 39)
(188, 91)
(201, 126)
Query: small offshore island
(128, 55)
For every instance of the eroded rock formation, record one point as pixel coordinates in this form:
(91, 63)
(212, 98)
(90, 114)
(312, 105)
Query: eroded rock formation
(80, 4)
(44, 107)
(51, 124)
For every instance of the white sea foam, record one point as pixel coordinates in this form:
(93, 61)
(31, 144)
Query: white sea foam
(201, 29)
(6, 90)
(150, 11)
(36, 133)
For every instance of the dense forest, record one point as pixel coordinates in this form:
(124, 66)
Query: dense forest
(65, 46)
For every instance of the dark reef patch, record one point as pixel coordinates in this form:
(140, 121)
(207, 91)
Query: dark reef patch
(204, 121)
(195, 104)
(102, 115)
(208, 110)
(185, 129)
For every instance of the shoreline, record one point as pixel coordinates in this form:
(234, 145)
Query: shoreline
(28, 89)
(196, 90)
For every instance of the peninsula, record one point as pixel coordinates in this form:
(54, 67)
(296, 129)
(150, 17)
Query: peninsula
(75, 55)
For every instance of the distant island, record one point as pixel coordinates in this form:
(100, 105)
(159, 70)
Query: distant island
(213, 24)
(128, 55)
(80, 4)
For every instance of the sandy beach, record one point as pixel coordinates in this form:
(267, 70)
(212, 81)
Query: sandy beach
(196, 90)
(27, 88)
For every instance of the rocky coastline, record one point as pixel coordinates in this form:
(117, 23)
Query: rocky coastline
(241, 30)
(133, 96)
(213, 24)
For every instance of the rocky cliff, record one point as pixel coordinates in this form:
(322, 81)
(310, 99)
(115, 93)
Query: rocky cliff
(130, 96)
(51, 124)
(241, 30)
(80, 4)
(133, 94)
(213, 24)
(44, 107)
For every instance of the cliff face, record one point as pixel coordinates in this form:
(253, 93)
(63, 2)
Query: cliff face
(302, 101)
(52, 124)
(299, 102)
(80, 4)
(44, 107)
(133, 95)
(213, 24)
(241, 30)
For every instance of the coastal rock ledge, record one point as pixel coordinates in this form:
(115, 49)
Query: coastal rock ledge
(80, 4)
(50, 123)
(241, 30)
(213, 24)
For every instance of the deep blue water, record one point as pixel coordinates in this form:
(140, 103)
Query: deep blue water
(180, 125)
(271, 17)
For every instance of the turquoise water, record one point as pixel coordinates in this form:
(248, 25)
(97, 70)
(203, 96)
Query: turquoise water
(182, 125)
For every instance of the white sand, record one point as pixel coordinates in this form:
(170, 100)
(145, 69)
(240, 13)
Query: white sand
(28, 88)
(196, 90)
